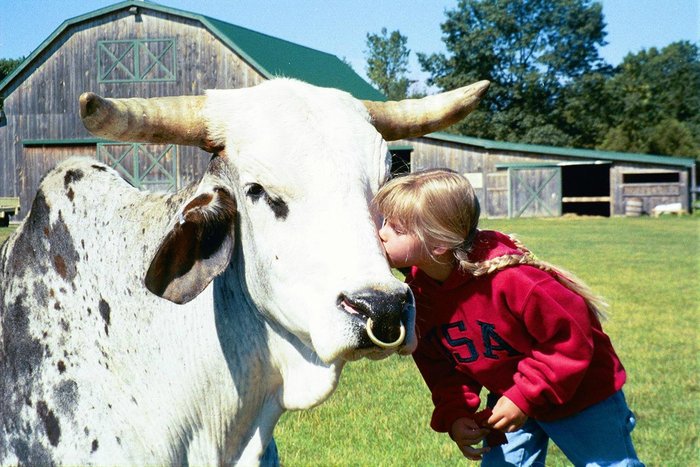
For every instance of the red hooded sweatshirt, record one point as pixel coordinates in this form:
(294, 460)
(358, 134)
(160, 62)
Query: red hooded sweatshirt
(517, 332)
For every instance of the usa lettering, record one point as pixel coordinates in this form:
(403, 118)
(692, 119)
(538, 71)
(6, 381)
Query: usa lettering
(464, 349)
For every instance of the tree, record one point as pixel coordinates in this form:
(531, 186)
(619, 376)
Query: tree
(654, 102)
(529, 50)
(583, 112)
(7, 66)
(387, 63)
(672, 138)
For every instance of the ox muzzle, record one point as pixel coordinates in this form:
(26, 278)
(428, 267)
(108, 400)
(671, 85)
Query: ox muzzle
(384, 315)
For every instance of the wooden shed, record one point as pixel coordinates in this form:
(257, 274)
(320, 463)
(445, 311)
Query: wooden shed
(143, 49)
(524, 180)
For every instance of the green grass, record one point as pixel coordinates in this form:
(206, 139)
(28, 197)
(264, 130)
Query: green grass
(648, 269)
(5, 232)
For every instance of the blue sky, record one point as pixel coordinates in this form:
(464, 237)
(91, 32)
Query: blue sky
(340, 26)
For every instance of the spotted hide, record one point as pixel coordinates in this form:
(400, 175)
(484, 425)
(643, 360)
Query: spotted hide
(142, 328)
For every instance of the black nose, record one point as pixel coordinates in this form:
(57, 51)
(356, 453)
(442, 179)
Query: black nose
(386, 309)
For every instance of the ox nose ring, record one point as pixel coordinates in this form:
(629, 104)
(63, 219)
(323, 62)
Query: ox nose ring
(382, 344)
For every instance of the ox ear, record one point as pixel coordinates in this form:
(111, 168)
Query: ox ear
(197, 248)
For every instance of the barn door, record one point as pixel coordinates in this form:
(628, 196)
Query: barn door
(534, 192)
(145, 166)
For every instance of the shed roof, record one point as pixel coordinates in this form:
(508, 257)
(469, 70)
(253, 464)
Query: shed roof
(270, 56)
(586, 154)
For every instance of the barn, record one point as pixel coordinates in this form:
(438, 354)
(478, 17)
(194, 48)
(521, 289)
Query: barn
(525, 180)
(143, 49)
(138, 49)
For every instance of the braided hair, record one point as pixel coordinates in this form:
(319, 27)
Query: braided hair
(440, 207)
(525, 257)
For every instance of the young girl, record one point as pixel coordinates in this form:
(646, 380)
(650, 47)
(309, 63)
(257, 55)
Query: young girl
(491, 315)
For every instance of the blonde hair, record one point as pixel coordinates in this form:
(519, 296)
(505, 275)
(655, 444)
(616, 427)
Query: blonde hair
(595, 302)
(440, 207)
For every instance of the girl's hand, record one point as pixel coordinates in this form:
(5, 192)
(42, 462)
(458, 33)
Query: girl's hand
(506, 416)
(466, 433)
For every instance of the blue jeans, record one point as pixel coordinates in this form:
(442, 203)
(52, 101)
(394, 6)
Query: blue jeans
(596, 436)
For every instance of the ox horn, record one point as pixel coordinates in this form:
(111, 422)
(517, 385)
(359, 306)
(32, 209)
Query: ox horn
(417, 117)
(173, 120)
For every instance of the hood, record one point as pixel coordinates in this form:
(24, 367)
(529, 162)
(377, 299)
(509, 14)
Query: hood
(488, 244)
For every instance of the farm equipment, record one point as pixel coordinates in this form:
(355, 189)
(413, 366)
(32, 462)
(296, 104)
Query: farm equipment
(8, 207)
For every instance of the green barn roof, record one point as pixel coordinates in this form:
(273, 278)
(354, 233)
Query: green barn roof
(270, 56)
(277, 57)
(586, 154)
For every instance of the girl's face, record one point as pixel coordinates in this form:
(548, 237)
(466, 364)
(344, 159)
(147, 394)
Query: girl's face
(403, 249)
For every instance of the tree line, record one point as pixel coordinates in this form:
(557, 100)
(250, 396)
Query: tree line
(7, 66)
(549, 84)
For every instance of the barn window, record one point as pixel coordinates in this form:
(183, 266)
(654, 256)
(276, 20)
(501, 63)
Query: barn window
(651, 177)
(136, 60)
(476, 179)
(145, 166)
(400, 158)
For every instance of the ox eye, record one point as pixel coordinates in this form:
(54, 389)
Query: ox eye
(255, 191)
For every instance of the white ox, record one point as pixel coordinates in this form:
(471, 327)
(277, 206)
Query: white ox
(273, 257)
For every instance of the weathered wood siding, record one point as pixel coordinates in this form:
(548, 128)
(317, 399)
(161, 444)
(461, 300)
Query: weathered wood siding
(651, 194)
(44, 103)
(37, 160)
(492, 183)
(535, 192)
(494, 193)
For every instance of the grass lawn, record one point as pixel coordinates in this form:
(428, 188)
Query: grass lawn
(648, 269)
(5, 232)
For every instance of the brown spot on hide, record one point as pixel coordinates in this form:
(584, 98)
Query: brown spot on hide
(60, 265)
(202, 200)
(61, 366)
(72, 176)
(95, 445)
(61, 250)
(70, 194)
(51, 423)
(105, 312)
